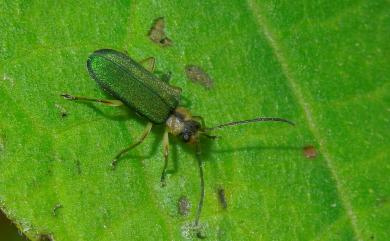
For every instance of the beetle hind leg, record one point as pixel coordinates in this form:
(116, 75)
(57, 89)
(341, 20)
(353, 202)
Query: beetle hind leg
(150, 65)
(166, 152)
(143, 136)
(101, 101)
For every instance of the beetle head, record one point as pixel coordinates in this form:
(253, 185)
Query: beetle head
(182, 124)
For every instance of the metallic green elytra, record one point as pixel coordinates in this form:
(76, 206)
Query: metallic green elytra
(128, 81)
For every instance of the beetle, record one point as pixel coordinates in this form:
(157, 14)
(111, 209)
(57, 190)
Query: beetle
(135, 86)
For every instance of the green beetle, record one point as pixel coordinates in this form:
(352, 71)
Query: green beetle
(138, 88)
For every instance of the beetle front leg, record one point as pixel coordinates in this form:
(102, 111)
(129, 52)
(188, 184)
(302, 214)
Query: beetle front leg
(166, 152)
(200, 119)
(102, 101)
(145, 133)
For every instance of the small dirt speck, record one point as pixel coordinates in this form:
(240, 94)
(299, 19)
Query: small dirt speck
(197, 75)
(56, 207)
(310, 152)
(78, 167)
(222, 197)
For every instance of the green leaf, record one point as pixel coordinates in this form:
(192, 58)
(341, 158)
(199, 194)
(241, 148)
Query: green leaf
(322, 64)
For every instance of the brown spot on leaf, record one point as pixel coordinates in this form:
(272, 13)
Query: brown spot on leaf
(157, 33)
(183, 206)
(197, 75)
(310, 152)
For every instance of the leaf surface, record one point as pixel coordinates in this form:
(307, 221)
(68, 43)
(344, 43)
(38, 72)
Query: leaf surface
(322, 64)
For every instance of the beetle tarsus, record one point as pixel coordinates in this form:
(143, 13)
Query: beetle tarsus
(113, 163)
(200, 235)
(212, 137)
(68, 96)
(162, 180)
(166, 153)
(202, 191)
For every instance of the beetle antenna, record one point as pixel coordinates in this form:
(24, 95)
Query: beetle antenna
(243, 122)
(200, 205)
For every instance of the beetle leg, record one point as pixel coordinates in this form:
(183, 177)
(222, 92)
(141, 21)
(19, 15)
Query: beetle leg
(212, 137)
(133, 145)
(202, 192)
(102, 101)
(149, 64)
(199, 119)
(166, 152)
(164, 76)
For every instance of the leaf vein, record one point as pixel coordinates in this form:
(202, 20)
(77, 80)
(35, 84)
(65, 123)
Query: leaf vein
(264, 29)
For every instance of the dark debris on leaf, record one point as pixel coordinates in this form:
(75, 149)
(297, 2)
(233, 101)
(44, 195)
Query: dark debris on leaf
(222, 197)
(56, 207)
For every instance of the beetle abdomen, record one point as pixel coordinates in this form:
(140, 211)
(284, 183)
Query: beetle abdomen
(128, 81)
